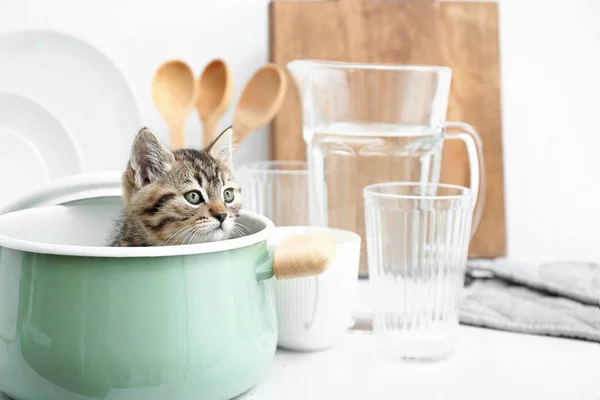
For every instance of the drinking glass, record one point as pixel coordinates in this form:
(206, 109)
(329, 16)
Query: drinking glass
(277, 190)
(417, 244)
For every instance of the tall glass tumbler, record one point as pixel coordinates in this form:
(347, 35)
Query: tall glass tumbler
(277, 190)
(417, 244)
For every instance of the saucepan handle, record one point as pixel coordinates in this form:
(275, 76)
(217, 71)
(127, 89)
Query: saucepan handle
(299, 256)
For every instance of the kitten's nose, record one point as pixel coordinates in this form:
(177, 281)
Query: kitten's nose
(220, 217)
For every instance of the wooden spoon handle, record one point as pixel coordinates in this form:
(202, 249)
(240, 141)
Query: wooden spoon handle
(240, 131)
(304, 255)
(177, 135)
(210, 127)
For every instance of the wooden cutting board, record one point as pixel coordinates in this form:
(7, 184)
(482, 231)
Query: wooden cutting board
(461, 35)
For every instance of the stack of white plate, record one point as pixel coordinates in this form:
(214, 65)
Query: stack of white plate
(65, 108)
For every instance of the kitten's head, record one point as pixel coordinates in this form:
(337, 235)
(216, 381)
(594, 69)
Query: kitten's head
(183, 196)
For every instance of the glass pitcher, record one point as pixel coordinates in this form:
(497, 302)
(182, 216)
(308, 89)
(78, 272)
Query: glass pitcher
(370, 123)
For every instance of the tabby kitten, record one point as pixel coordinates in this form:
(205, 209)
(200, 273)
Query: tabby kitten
(178, 197)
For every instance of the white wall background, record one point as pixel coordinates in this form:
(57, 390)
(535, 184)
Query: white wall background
(550, 75)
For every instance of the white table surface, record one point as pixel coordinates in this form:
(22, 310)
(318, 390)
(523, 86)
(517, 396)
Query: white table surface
(487, 364)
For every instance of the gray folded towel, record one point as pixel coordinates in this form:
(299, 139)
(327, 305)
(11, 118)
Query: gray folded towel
(556, 299)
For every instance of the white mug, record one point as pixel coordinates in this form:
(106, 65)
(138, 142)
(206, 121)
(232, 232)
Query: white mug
(315, 312)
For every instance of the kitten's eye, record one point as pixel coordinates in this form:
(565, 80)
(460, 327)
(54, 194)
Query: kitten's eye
(193, 197)
(228, 195)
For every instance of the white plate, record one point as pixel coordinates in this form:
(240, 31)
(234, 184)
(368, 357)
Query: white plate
(18, 178)
(45, 131)
(81, 85)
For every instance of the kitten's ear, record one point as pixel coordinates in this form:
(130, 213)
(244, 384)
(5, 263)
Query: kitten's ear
(222, 147)
(149, 158)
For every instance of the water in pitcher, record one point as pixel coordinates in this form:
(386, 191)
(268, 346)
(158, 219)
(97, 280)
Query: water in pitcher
(345, 157)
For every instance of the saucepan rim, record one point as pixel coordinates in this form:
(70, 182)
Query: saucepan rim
(132, 252)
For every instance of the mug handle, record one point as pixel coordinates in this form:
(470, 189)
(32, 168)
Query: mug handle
(299, 256)
(478, 182)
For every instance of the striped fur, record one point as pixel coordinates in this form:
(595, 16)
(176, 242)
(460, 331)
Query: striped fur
(154, 186)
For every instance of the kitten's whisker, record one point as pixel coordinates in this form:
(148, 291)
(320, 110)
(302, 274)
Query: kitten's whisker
(168, 238)
(207, 235)
(237, 231)
(173, 239)
(197, 235)
(180, 233)
(203, 233)
(176, 233)
(197, 232)
(189, 235)
(184, 237)
(243, 229)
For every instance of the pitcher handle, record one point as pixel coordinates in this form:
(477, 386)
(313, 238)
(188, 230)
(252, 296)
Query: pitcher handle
(474, 146)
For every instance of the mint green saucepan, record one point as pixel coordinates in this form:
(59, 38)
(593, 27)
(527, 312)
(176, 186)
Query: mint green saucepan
(82, 321)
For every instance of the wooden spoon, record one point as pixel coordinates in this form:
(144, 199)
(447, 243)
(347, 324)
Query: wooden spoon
(260, 100)
(215, 89)
(174, 92)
